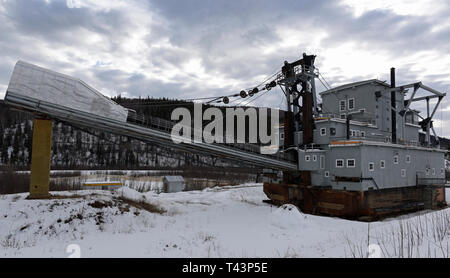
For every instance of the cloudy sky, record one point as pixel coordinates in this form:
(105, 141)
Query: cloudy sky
(201, 48)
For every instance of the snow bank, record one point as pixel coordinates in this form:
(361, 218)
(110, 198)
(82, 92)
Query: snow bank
(288, 217)
(217, 222)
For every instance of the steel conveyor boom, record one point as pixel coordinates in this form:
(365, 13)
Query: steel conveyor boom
(40, 91)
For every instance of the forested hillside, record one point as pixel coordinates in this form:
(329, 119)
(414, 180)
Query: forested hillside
(75, 148)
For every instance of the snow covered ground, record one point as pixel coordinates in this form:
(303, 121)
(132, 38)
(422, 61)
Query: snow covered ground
(216, 222)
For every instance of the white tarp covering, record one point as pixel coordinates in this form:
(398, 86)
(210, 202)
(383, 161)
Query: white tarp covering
(35, 82)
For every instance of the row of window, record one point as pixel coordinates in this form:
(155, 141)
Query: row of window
(314, 158)
(428, 171)
(354, 133)
(351, 162)
(382, 166)
(407, 159)
(343, 104)
(357, 133)
(432, 171)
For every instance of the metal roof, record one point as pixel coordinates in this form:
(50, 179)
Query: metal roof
(174, 178)
(355, 84)
(30, 81)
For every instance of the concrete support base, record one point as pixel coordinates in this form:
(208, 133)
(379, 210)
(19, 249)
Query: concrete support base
(40, 159)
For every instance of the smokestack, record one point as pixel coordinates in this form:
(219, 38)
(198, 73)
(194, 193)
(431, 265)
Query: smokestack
(393, 105)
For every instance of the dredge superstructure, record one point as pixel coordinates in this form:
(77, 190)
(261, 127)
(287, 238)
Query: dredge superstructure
(358, 151)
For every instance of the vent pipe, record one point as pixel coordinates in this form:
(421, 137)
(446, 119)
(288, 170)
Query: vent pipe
(393, 108)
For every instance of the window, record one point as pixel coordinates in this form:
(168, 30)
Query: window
(433, 172)
(363, 134)
(353, 133)
(351, 163)
(358, 133)
(371, 166)
(408, 159)
(307, 158)
(323, 131)
(322, 162)
(342, 105)
(427, 171)
(314, 158)
(403, 173)
(351, 104)
(332, 131)
(382, 164)
(327, 174)
(396, 159)
(339, 163)
(282, 135)
(343, 116)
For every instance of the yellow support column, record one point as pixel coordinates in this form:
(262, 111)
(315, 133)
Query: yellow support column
(40, 159)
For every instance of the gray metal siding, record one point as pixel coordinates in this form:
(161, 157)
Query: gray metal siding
(391, 175)
(309, 160)
(345, 153)
(341, 132)
(411, 133)
(363, 95)
(376, 110)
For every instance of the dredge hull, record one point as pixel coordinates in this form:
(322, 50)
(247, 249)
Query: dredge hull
(362, 205)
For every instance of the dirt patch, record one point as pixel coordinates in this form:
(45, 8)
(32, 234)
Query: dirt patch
(124, 205)
(15, 198)
(62, 197)
(101, 204)
(78, 216)
(124, 208)
(99, 218)
(141, 205)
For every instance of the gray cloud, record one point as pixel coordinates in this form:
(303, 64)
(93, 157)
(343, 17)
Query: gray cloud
(229, 38)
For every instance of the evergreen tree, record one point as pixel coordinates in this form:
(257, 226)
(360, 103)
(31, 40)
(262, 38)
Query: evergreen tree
(1, 136)
(132, 158)
(19, 130)
(79, 142)
(27, 128)
(28, 145)
(4, 157)
(99, 153)
(15, 152)
(21, 158)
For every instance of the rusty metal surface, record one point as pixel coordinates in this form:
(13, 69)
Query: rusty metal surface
(277, 193)
(367, 206)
